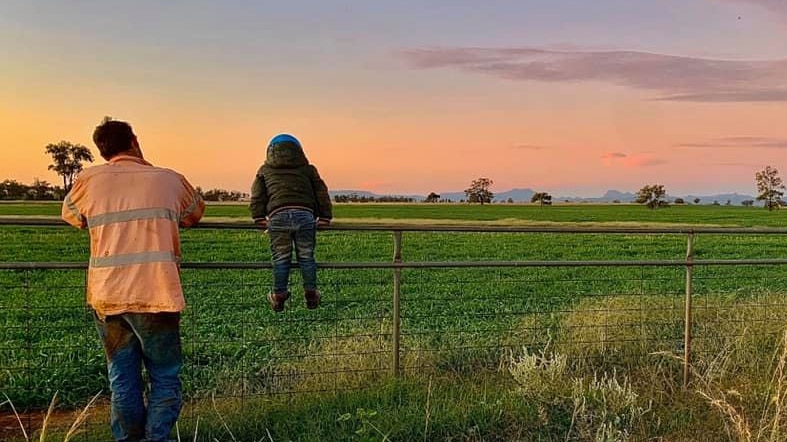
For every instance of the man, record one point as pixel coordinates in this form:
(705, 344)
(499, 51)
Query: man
(132, 210)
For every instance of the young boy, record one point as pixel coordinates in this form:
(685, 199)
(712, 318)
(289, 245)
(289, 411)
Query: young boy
(291, 200)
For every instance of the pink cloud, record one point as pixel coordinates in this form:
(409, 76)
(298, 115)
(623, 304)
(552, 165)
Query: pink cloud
(671, 77)
(779, 6)
(620, 159)
(740, 143)
(644, 161)
(528, 147)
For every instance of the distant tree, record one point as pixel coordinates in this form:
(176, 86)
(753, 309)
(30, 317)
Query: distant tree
(716, 203)
(697, 200)
(652, 196)
(42, 190)
(747, 203)
(615, 201)
(728, 203)
(543, 198)
(432, 198)
(479, 192)
(214, 195)
(39, 190)
(68, 160)
(510, 201)
(392, 199)
(355, 198)
(13, 190)
(223, 195)
(770, 187)
(679, 201)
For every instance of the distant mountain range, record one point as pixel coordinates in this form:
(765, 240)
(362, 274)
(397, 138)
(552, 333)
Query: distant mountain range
(524, 195)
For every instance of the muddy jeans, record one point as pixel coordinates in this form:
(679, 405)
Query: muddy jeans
(285, 228)
(131, 339)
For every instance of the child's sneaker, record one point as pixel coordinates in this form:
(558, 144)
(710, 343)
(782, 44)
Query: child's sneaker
(312, 299)
(277, 300)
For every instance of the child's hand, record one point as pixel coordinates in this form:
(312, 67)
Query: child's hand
(323, 222)
(262, 223)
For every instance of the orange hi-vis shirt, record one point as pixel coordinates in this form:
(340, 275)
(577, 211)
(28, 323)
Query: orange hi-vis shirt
(133, 210)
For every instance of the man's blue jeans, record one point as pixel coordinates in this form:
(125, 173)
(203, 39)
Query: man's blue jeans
(285, 228)
(131, 339)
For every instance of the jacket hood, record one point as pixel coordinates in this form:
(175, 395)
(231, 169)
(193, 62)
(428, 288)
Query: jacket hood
(286, 155)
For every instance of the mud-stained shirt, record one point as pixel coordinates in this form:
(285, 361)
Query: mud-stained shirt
(132, 211)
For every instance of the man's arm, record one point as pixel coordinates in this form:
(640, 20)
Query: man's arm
(324, 206)
(192, 207)
(70, 211)
(259, 199)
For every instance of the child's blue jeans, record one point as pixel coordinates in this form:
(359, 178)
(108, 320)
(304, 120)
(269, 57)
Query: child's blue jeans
(131, 339)
(285, 228)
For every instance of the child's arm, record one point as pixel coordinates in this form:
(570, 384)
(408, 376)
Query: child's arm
(259, 199)
(324, 206)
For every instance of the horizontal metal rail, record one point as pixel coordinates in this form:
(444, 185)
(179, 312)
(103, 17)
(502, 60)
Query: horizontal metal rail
(420, 265)
(437, 227)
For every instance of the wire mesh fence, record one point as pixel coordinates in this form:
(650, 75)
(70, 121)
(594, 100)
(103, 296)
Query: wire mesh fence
(382, 319)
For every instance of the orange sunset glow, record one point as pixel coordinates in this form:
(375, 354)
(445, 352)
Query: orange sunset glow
(408, 98)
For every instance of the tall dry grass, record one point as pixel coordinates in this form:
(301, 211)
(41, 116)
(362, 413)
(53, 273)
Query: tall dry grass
(76, 428)
(744, 424)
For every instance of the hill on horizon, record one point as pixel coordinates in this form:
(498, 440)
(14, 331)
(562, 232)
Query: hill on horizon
(524, 195)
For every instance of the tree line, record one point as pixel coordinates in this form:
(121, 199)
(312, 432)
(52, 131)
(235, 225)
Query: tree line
(356, 198)
(38, 191)
(68, 160)
(770, 188)
(222, 195)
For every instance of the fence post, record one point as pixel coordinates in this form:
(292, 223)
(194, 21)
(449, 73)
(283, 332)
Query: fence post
(397, 291)
(688, 312)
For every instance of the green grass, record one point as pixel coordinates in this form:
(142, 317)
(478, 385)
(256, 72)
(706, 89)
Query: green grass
(457, 324)
(561, 213)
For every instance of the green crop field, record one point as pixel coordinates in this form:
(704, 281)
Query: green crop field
(471, 337)
(561, 213)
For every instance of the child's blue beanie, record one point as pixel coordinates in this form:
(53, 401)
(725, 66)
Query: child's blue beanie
(284, 138)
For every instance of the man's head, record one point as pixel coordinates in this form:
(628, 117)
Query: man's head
(115, 138)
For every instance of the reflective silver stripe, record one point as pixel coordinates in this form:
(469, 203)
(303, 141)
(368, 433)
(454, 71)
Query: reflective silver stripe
(133, 258)
(131, 215)
(190, 209)
(73, 208)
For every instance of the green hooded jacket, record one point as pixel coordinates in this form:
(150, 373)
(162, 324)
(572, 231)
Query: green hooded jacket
(288, 180)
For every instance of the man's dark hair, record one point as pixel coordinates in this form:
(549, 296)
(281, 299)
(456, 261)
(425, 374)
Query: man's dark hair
(113, 137)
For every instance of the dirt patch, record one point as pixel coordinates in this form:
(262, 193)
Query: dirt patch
(59, 421)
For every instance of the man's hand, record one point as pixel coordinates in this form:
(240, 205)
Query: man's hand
(262, 223)
(323, 222)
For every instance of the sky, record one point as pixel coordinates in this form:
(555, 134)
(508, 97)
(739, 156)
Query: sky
(566, 96)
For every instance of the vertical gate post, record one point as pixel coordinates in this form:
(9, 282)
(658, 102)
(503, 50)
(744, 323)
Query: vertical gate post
(397, 291)
(687, 325)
